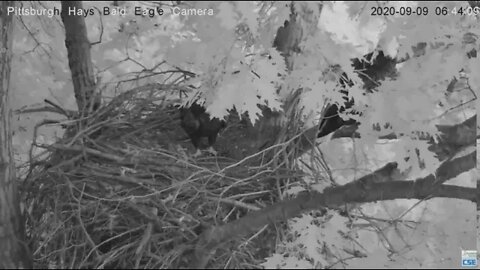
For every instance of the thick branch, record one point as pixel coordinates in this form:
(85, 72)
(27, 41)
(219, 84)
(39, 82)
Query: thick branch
(382, 184)
(79, 58)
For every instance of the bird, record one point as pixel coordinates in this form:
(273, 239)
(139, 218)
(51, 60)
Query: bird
(331, 120)
(198, 124)
(371, 73)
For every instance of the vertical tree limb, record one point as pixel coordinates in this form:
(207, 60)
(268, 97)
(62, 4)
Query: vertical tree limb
(13, 251)
(79, 57)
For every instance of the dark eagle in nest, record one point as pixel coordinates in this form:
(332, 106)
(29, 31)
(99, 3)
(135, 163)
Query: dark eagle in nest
(197, 124)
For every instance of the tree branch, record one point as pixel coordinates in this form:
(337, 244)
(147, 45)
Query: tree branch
(383, 184)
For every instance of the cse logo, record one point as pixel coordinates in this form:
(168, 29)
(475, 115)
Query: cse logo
(469, 262)
(469, 258)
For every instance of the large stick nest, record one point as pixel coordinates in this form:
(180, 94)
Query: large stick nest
(121, 190)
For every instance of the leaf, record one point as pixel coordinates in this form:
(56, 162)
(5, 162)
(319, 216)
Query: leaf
(248, 14)
(362, 34)
(226, 15)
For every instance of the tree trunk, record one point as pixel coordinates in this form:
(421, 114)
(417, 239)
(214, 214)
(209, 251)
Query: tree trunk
(13, 251)
(79, 58)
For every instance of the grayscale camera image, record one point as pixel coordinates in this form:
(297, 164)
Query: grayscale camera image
(239, 134)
